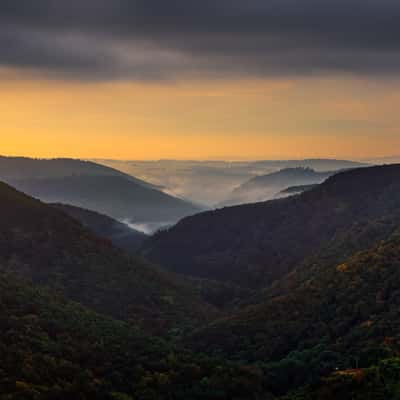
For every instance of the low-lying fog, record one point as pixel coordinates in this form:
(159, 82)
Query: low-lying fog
(210, 183)
(150, 227)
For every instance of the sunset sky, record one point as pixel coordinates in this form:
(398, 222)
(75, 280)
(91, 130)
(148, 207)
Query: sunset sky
(200, 79)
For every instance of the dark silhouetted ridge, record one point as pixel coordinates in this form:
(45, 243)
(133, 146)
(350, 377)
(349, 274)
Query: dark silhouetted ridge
(44, 245)
(120, 234)
(254, 245)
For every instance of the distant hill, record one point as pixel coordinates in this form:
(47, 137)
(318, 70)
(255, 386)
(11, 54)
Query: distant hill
(318, 164)
(210, 182)
(256, 244)
(265, 187)
(94, 187)
(46, 246)
(120, 234)
(20, 168)
(384, 160)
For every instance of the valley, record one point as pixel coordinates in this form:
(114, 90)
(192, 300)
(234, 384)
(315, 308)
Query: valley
(294, 298)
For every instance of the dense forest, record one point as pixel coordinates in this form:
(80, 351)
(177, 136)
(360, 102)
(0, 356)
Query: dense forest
(291, 299)
(120, 234)
(46, 246)
(253, 245)
(51, 348)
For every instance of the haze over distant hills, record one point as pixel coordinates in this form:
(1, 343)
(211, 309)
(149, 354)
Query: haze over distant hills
(20, 168)
(211, 182)
(318, 164)
(383, 160)
(94, 187)
(265, 187)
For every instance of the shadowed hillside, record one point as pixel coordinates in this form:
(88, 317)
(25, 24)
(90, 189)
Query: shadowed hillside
(253, 245)
(44, 245)
(322, 319)
(110, 195)
(121, 235)
(94, 187)
(326, 328)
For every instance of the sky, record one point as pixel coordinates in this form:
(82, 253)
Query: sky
(189, 79)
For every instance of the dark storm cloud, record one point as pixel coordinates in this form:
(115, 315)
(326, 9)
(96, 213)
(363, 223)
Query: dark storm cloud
(160, 39)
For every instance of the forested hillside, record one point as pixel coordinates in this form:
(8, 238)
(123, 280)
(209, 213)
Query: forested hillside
(42, 244)
(326, 318)
(325, 327)
(121, 235)
(53, 349)
(115, 196)
(254, 245)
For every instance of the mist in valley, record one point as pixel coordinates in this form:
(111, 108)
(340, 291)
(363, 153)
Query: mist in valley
(212, 183)
(148, 228)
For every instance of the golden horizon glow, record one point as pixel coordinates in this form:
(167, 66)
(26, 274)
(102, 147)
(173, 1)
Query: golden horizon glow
(247, 119)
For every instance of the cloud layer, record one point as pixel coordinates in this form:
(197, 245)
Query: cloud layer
(178, 39)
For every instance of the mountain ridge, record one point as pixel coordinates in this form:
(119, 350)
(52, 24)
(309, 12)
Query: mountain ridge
(121, 235)
(36, 168)
(49, 248)
(253, 245)
(95, 187)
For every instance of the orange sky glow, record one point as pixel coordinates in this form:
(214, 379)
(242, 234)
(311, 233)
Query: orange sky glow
(241, 119)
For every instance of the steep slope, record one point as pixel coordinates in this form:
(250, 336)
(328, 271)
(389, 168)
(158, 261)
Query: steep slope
(328, 318)
(42, 244)
(265, 187)
(115, 196)
(55, 349)
(321, 302)
(121, 235)
(377, 382)
(253, 245)
(95, 187)
(51, 349)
